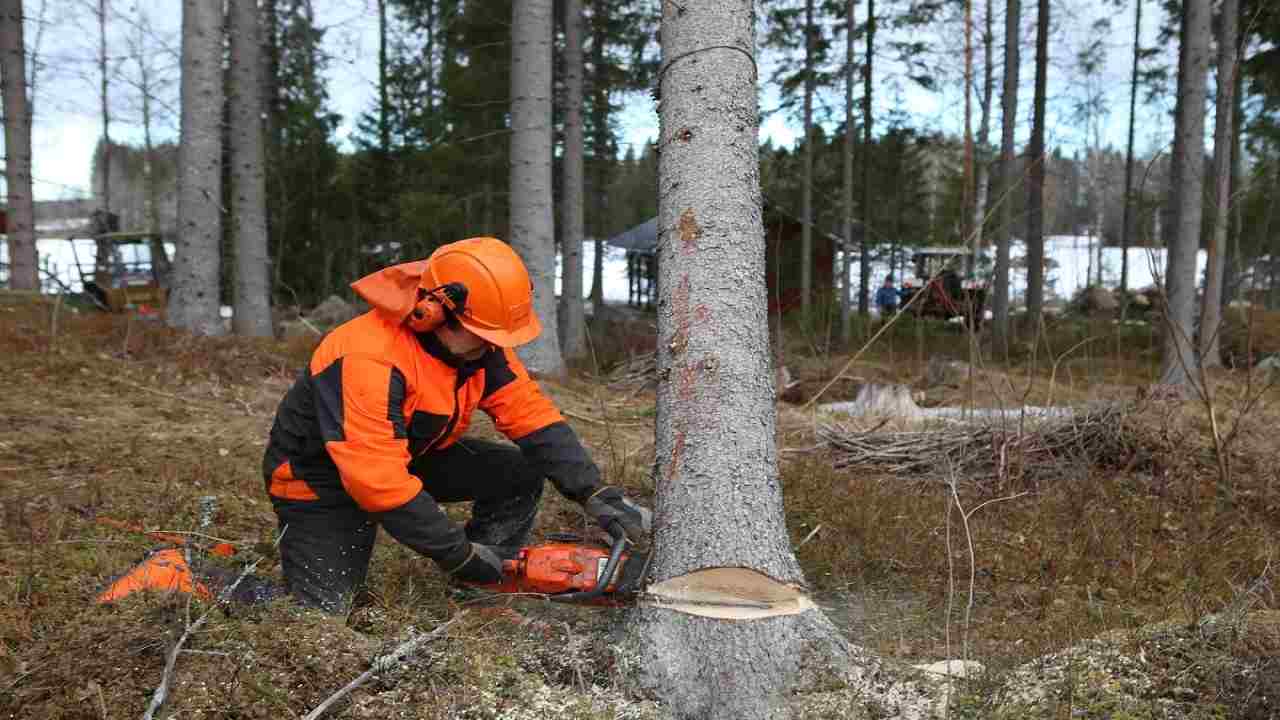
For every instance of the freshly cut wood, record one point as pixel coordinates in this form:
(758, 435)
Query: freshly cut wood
(728, 593)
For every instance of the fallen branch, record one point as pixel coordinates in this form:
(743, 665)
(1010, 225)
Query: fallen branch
(162, 690)
(383, 664)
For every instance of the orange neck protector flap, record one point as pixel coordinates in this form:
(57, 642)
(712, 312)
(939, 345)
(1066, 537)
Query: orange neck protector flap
(392, 291)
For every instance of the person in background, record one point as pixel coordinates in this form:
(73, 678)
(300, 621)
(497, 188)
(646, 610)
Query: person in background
(371, 433)
(887, 298)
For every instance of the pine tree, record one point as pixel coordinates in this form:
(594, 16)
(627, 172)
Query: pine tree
(194, 300)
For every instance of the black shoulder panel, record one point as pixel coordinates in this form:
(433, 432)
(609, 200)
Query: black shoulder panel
(497, 372)
(327, 387)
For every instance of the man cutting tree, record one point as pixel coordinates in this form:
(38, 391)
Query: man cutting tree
(371, 432)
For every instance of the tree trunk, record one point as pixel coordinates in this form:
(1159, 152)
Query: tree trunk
(966, 203)
(1211, 310)
(600, 158)
(864, 260)
(1126, 223)
(532, 219)
(1035, 201)
(1180, 273)
(1008, 124)
(23, 260)
(194, 301)
(719, 504)
(252, 299)
(980, 171)
(846, 293)
(102, 255)
(572, 317)
(159, 253)
(806, 180)
(384, 104)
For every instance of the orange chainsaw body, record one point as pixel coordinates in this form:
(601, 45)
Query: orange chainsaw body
(555, 568)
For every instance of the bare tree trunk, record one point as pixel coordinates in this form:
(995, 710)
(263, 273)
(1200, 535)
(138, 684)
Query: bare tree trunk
(384, 105)
(600, 155)
(252, 299)
(1211, 310)
(103, 251)
(967, 204)
(1035, 202)
(23, 259)
(151, 209)
(532, 218)
(194, 301)
(846, 293)
(719, 505)
(981, 168)
(1126, 224)
(1008, 124)
(572, 317)
(864, 261)
(1180, 273)
(806, 180)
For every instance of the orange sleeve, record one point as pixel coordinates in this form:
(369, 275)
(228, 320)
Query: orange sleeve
(513, 399)
(361, 412)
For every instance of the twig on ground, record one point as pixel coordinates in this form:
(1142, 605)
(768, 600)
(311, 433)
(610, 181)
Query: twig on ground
(383, 664)
(162, 690)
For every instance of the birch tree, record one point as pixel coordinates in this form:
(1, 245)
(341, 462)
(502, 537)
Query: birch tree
(252, 299)
(1180, 271)
(572, 317)
(1008, 180)
(194, 302)
(1211, 313)
(532, 219)
(17, 143)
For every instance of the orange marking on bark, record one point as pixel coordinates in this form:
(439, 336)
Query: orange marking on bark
(689, 230)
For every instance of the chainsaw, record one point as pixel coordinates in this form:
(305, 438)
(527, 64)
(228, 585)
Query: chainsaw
(567, 569)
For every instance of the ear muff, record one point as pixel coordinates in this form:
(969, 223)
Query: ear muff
(437, 306)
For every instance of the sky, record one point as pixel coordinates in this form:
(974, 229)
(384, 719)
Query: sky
(63, 34)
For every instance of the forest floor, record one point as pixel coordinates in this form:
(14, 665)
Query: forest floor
(1132, 577)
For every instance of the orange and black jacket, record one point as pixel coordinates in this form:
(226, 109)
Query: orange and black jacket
(375, 396)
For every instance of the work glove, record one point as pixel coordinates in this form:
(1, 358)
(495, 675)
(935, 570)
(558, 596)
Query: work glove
(608, 505)
(482, 567)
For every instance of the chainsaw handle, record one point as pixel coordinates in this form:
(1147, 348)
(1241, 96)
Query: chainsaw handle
(610, 568)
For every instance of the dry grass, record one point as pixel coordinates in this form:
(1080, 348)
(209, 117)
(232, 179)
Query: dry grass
(120, 418)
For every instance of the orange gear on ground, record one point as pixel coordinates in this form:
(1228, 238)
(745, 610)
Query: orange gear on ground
(166, 571)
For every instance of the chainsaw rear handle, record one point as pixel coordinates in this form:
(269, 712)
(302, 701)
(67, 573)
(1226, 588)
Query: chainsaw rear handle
(614, 529)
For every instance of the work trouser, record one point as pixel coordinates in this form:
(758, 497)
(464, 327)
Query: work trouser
(324, 553)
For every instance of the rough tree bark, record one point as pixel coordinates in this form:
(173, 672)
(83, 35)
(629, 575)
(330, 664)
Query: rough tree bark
(1211, 310)
(194, 303)
(572, 316)
(806, 181)
(532, 218)
(846, 272)
(252, 299)
(1008, 167)
(23, 261)
(1035, 202)
(1179, 358)
(719, 500)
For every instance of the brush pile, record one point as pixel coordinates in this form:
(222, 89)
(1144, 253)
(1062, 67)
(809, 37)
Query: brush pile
(998, 449)
(635, 374)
